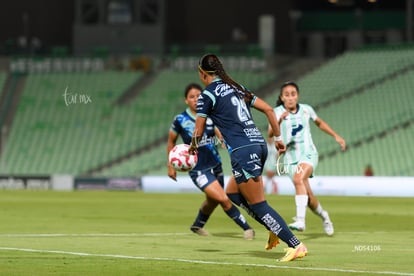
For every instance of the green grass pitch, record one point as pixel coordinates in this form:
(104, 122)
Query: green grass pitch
(133, 233)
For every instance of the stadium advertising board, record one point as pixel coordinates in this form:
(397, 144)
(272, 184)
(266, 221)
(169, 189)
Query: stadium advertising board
(16, 182)
(93, 183)
(321, 185)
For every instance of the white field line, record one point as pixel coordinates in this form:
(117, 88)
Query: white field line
(37, 235)
(201, 262)
(48, 235)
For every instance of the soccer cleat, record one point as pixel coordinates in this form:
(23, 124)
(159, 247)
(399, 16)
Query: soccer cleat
(299, 251)
(249, 234)
(297, 225)
(328, 227)
(199, 230)
(272, 241)
(327, 224)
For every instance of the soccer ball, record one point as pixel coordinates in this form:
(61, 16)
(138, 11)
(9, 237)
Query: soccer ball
(180, 159)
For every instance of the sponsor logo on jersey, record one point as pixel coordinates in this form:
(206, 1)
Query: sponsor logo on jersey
(223, 90)
(256, 167)
(252, 132)
(236, 174)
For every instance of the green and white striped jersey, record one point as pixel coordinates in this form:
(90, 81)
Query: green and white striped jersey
(296, 132)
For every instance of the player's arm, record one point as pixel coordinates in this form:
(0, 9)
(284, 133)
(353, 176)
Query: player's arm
(279, 120)
(219, 137)
(327, 129)
(200, 124)
(264, 107)
(269, 132)
(172, 139)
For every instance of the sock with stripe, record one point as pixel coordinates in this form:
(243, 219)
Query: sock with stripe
(275, 223)
(201, 219)
(240, 201)
(237, 217)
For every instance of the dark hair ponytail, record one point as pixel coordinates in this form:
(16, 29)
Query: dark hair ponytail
(210, 64)
(279, 99)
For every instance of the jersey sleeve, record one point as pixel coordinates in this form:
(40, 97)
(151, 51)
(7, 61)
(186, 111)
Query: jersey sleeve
(312, 112)
(253, 100)
(176, 126)
(205, 104)
(278, 112)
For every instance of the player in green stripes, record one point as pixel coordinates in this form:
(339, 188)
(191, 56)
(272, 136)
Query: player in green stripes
(301, 157)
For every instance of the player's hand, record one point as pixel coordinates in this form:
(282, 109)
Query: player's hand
(280, 146)
(284, 115)
(172, 173)
(223, 144)
(193, 145)
(192, 149)
(341, 142)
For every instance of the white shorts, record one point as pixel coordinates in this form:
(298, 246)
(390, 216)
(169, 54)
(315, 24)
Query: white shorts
(310, 159)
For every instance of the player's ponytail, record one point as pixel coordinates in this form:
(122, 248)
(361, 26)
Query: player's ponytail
(210, 64)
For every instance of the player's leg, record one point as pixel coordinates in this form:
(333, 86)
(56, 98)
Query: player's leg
(301, 173)
(215, 192)
(317, 209)
(246, 164)
(249, 233)
(270, 185)
(206, 209)
(237, 198)
(253, 192)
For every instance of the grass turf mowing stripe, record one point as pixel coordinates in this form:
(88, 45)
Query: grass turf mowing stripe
(200, 262)
(48, 235)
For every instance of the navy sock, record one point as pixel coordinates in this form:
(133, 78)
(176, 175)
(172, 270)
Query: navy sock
(240, 201)
(275, 223)
(238, 218)
(201, 219)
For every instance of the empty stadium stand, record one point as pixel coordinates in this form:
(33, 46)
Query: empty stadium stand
(76, 122)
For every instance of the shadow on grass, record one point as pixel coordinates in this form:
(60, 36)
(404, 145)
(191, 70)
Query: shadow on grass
(209, 250)
(313, 236)
(272, 255)
(228, 235)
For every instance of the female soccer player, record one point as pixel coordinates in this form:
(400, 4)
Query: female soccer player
(301, 157)
(228, 104)
(207, 175)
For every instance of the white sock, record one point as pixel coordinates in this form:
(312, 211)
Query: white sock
(318, 210)
(301, 205)
(268, 185)
(321, 212)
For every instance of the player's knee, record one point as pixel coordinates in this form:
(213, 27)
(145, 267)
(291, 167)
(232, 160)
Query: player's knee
(297, 181)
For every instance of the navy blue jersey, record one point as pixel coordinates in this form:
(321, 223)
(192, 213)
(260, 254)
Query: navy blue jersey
(230, 113)
(208, 155)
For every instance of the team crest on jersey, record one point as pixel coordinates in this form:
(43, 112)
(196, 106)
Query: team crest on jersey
(209, 125)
